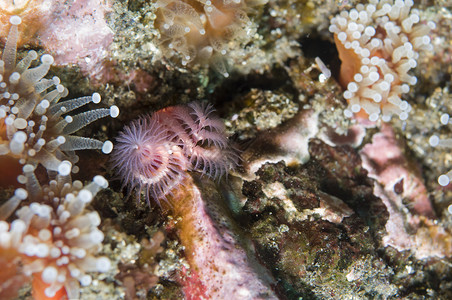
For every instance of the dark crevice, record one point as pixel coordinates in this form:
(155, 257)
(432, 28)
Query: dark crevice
(314, 46)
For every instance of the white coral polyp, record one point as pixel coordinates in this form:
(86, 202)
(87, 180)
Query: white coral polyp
(200, 31)
(387, 37)
(38, 131)
(58, 237)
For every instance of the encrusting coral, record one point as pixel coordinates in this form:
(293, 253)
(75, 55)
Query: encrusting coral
(378, 44)
(35, 126)
(199, 31)
(155, 152)
(55, 239)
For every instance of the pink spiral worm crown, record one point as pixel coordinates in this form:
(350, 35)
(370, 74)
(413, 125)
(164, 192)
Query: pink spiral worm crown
(155, 152)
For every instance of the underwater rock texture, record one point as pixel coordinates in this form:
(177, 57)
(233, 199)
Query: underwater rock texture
(315, 222)
(321, 206)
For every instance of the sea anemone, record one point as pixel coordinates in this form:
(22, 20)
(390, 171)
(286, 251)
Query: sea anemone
(156, 152)
(200, 31)
(56, 239)
(378, 44)
(36, 128)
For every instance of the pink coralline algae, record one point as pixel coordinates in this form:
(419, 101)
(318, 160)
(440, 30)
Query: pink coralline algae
(155, 152)
(222, 264)
(77, 33)
(73, 31)
(391, 168)
(414, 228)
